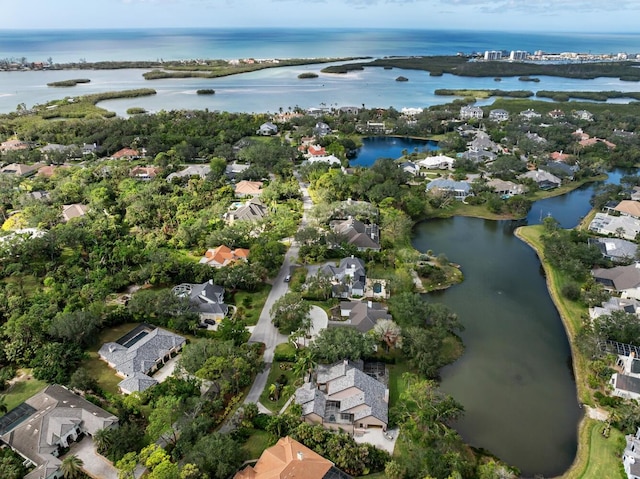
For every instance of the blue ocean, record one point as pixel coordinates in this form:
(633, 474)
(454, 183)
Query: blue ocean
(273, 89)
(64, 46)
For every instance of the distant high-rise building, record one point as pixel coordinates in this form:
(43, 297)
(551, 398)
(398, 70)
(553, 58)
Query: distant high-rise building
(518, 55)
(492, 55)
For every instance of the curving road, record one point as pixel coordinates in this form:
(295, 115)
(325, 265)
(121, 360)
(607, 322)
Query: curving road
(265, 332)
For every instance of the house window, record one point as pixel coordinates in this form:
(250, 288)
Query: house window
(345, 417)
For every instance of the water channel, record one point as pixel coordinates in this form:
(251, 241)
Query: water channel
(515, 378)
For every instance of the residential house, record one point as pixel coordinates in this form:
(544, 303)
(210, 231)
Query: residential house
(626, 382)
(628, 208)
(530, 114)
(140, 353)
(627, 305)
(556, 114)
(362, 235)
(13, 145)
(376, 127)
(544, 179)
(441, 162)
(499, 115)
(127, 154)
(506, 188)
(289, 459)
(330, 159)
(410, 167)
(54, 151)
(234, 169)
(343, 397)
(350, 110)
(477, 156)
(207, 299)
(321, 129)
(40, 195)
(316, 150)
(560, 169)
(48, 171)
(635, 193)
(349, 277)
(468, 112)
(42, 426)
(248, 188)
(631, 456)
(267, 129)
(223, 256)
(583, 115)
(620, 279)
(89, 149)
(482, 142)
(536, 138)
(253, 210)
(192, 170)
(19, 169)
(616, 249)
(458, 189)
(361, 315)
(75, 210)
(625, 227)
(559, 156)
(144, 173)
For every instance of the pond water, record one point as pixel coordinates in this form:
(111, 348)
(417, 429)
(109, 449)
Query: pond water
(376, 147)
(515, 378)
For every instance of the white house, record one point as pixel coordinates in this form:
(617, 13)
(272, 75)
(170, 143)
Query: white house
(631, 456)
(441, 162)
(469, 112)
(626, 382)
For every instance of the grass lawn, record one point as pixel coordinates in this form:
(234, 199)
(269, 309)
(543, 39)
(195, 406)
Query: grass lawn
(23, 389)
(252, 303)
(274, 374)
(255, 444)
(396, 384)
(597, 455)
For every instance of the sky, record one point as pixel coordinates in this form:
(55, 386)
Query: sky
(587, 16)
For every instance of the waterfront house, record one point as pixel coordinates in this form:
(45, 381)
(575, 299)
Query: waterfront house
(544, 179)
(627, 305)
(626, 381)
(289, 459)
(360, 315)
(616, 249)
(508, 188)
(458, 189)
(44, 425)
(620, 279)
(441, 162)
(628, 208)
(625, 227)
(410, 167)
(631, 456)
(343, 397)
(329, 159)
(139, 353)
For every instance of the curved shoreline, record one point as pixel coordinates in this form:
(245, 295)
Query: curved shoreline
(581, 461)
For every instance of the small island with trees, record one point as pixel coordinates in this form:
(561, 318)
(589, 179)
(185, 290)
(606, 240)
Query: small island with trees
(68, 83)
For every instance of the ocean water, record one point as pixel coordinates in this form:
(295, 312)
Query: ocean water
(176, 44)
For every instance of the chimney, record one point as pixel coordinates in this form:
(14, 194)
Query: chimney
(300, 456)
(370, 304)
(628, 366)
(386, 396)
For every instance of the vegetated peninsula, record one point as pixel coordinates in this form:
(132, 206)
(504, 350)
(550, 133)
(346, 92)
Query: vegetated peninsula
(66, 83)
(465, 66)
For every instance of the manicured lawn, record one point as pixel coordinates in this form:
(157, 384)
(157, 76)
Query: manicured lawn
(396, 384)
(598, 456)
(274, 374)
(255, 444)
(252, 303)
(23, 389)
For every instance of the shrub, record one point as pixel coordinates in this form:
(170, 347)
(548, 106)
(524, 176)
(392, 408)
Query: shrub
(571, 291)
(284, 353)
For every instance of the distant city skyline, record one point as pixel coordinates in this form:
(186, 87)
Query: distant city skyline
(587, 16)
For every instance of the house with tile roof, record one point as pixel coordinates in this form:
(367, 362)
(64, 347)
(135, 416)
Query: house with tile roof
(206, 299)
(144, 173)
(631, 456)
(13, 145)
(364, 236)
(49, 421)
(316, 150)
(343, 397)
(48, 171)
(620, 279)
(222, 255)
(248, 188)
(289, 459)
(628, 208)
(19, 169)
(140, 353)
(127, 154)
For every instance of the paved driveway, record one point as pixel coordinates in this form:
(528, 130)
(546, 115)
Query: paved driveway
(166, 370)
(319, 320)
(95, 465)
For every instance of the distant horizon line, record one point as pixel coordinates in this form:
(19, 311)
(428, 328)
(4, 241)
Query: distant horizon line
(174, 28)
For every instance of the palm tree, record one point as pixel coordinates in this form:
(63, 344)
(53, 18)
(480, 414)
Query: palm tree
(71, 467)
(3, 405)
(304, 364)
(103, 440)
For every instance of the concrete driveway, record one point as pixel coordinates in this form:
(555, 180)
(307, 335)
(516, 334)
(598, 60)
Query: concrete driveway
(319, 321)
(166, 370)
(95, 465)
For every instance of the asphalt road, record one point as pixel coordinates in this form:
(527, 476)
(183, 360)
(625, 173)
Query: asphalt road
(264, 331)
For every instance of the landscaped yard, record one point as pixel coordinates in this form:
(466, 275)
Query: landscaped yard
(257, 442)
(278, 369)
(251, 303)
(22, 389)
(396, 384)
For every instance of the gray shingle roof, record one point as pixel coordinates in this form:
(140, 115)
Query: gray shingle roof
(622, 277)
(627, 383)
